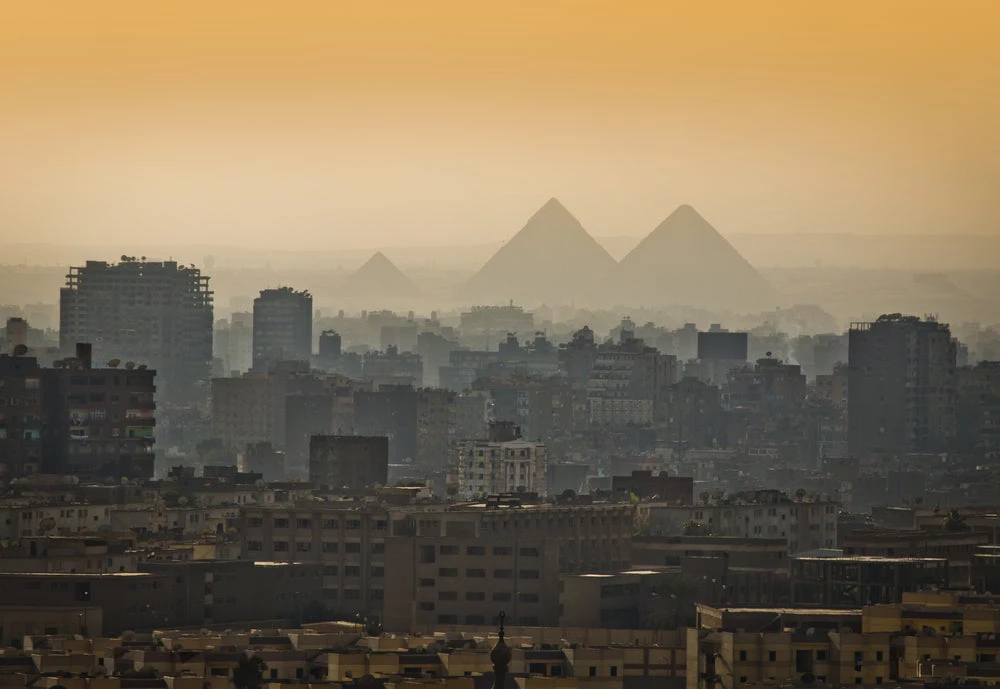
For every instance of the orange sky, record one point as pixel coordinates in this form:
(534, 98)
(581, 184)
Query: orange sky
(358, 124)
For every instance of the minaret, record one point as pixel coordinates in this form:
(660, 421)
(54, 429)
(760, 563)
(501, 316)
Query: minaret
(500, 656)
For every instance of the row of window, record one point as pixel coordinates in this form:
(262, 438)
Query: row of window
(285, 523)
(475, 573)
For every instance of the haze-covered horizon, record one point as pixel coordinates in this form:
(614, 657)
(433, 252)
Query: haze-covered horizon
(329, 125)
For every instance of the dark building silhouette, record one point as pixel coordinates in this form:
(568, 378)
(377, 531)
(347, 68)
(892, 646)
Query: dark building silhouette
(901, 386)
(154, 313)
(74, 419)
(722, 346)
(348, 461)
(391, 412)
(306, 415)
(282, 327)
(677, 490)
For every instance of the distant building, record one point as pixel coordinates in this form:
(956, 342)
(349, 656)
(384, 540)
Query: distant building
(901, 386)
(487, 467)
(351, 461)
(157, 314)
(282, 327)
(629, 382)
(642, 484)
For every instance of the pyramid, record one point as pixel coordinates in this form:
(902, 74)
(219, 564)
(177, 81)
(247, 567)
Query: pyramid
(686, 261)
(380, 277)
(552, 259)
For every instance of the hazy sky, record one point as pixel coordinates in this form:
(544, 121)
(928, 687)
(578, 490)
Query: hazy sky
(359, 124)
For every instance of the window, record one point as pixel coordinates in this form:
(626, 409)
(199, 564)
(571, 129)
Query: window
(447, 619)
(281, 546)
(255, 522)
(501, 596)
(378, 548)
(447, 595)
(743, 679)
(449, 550)
(254, 546)
(280, 523)
(352, 571)
(858, 680)
(475, 573)
(303, 523)
(878, 680)
(448, 572)
(330, 547)
(303, 547)
(330, 524)
(820, 655)
(353, 524)
(529, 573)
(527, 597)
(378, 571)
(614, 670)
(593, 671)
(501, 550)
(503, 573)
(772, 656)
(878, 655)
(352, 594)
(475, 595)
(329, 570)
(743, 655)
(475, 550)
(425, 606)
(352, 547)
(425, 582)
(529, 552)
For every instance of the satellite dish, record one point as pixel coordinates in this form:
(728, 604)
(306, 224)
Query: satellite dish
(20, 350)
(129, 365)
(114, 363)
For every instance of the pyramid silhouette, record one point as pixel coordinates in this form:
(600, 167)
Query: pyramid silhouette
(552, 259)
(686, 261)
(380, 277)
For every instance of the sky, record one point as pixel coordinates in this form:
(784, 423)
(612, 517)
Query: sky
(341, 124)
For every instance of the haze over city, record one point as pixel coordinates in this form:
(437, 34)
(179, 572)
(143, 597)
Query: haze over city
(481, 345)
(360, 126)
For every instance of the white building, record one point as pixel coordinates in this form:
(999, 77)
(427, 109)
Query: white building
(512, 466)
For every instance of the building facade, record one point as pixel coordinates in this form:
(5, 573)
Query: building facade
(157, 314)
(282, 327)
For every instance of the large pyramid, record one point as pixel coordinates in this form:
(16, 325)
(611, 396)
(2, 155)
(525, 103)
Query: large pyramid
(552, 259)
(686, 261)
(379, 277)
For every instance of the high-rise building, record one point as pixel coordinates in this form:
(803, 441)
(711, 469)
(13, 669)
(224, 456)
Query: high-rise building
(901, 386)
(154, 313)
(282, 327)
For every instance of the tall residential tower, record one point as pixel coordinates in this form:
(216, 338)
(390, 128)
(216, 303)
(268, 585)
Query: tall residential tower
(154, 313)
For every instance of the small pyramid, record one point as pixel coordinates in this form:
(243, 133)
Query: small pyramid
(380, 277)
(552, 258)
(686, 261)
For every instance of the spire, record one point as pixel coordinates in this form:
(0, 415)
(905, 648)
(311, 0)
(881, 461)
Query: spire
(500, 656)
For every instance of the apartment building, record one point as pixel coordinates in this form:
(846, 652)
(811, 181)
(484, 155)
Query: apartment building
(901, 386)
(499, 547)
(805, 524)
(282, 327)
(157, 314)
(510, 466)
(927, 637)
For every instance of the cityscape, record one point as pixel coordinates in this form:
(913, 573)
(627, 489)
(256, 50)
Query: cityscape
(306, 378)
